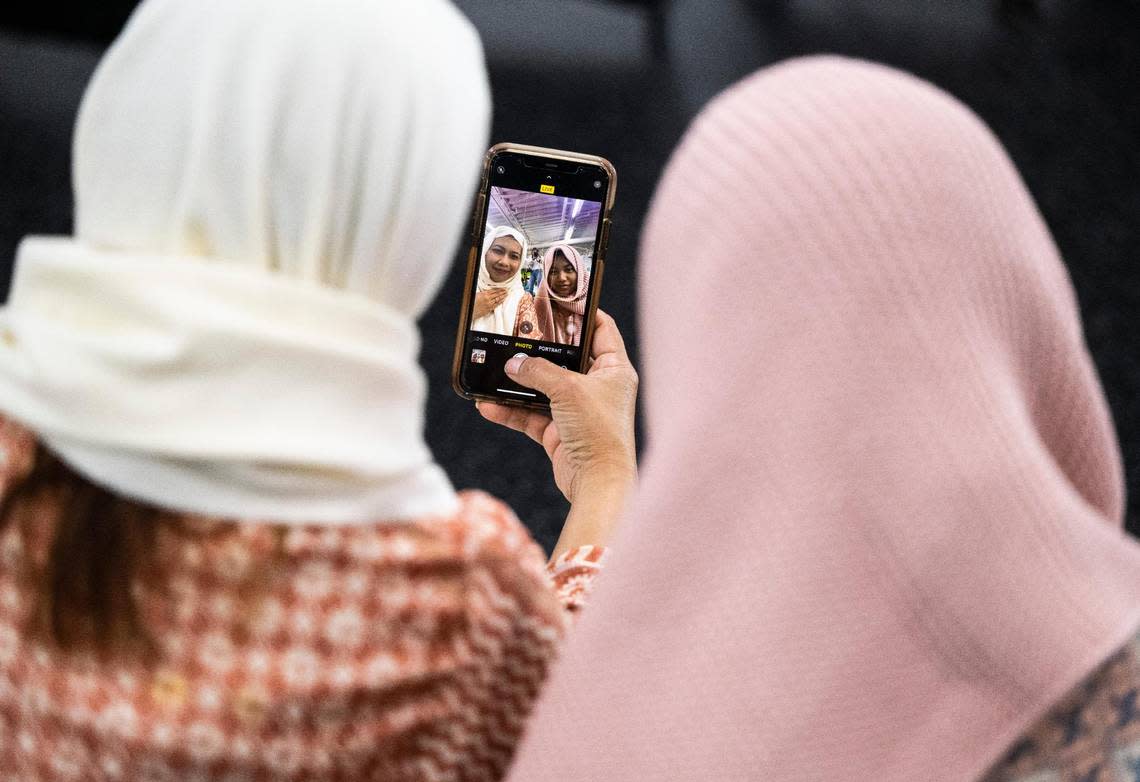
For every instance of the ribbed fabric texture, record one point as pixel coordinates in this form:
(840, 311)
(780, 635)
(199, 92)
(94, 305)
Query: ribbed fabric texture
(879, 525)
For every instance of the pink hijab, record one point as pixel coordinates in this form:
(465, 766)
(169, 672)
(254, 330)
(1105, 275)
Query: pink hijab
(573, 307)
(878, 532)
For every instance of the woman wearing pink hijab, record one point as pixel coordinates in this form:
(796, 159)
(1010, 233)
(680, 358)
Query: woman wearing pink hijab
(877, 537)
(561, 300)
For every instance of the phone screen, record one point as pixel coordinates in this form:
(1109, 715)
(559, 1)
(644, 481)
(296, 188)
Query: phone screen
(534, 284)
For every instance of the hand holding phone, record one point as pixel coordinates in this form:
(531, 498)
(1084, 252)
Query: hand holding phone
(589, 434)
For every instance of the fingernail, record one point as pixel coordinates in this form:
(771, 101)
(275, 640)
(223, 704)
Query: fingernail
(514, 364)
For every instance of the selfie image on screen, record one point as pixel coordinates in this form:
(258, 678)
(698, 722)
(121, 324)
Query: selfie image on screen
(534, 266)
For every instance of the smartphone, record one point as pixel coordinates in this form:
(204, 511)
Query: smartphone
(534, 272)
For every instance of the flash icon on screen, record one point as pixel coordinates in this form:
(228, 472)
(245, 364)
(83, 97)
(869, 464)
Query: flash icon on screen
(549, 189)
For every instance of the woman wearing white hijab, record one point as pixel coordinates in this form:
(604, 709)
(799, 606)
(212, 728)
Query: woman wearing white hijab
(225, 549)
(502, 304)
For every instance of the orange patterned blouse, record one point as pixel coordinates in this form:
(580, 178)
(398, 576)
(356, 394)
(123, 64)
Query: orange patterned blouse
(408, 651)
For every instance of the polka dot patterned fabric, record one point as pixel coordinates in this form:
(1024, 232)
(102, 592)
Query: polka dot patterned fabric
(1092, 735)
(408, 651)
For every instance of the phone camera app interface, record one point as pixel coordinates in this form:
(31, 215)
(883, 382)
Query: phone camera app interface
(532, 285)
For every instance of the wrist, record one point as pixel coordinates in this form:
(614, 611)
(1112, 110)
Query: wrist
(608, 479)
(595, 508)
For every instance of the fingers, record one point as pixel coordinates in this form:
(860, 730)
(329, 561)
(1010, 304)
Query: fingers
(495, 296)
(530, 423)
(607, 338)
(551, 442)
(541, 375)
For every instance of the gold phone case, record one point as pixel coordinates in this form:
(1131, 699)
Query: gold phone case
(477, 221)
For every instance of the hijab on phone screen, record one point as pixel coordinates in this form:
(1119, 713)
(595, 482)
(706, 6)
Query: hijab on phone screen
(501, 320)
(884, 539)
(572, 307)
(268, 193)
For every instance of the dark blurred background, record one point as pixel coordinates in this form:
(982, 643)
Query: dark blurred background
(1057, 81)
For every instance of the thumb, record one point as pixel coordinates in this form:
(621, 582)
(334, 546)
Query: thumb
(539, 374)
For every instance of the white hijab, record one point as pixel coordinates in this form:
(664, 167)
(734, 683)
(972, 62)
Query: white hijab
(268, 193)
(500, 320)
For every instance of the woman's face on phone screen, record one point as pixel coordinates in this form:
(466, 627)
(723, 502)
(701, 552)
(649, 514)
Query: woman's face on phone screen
(503, 258)
(563, 276)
